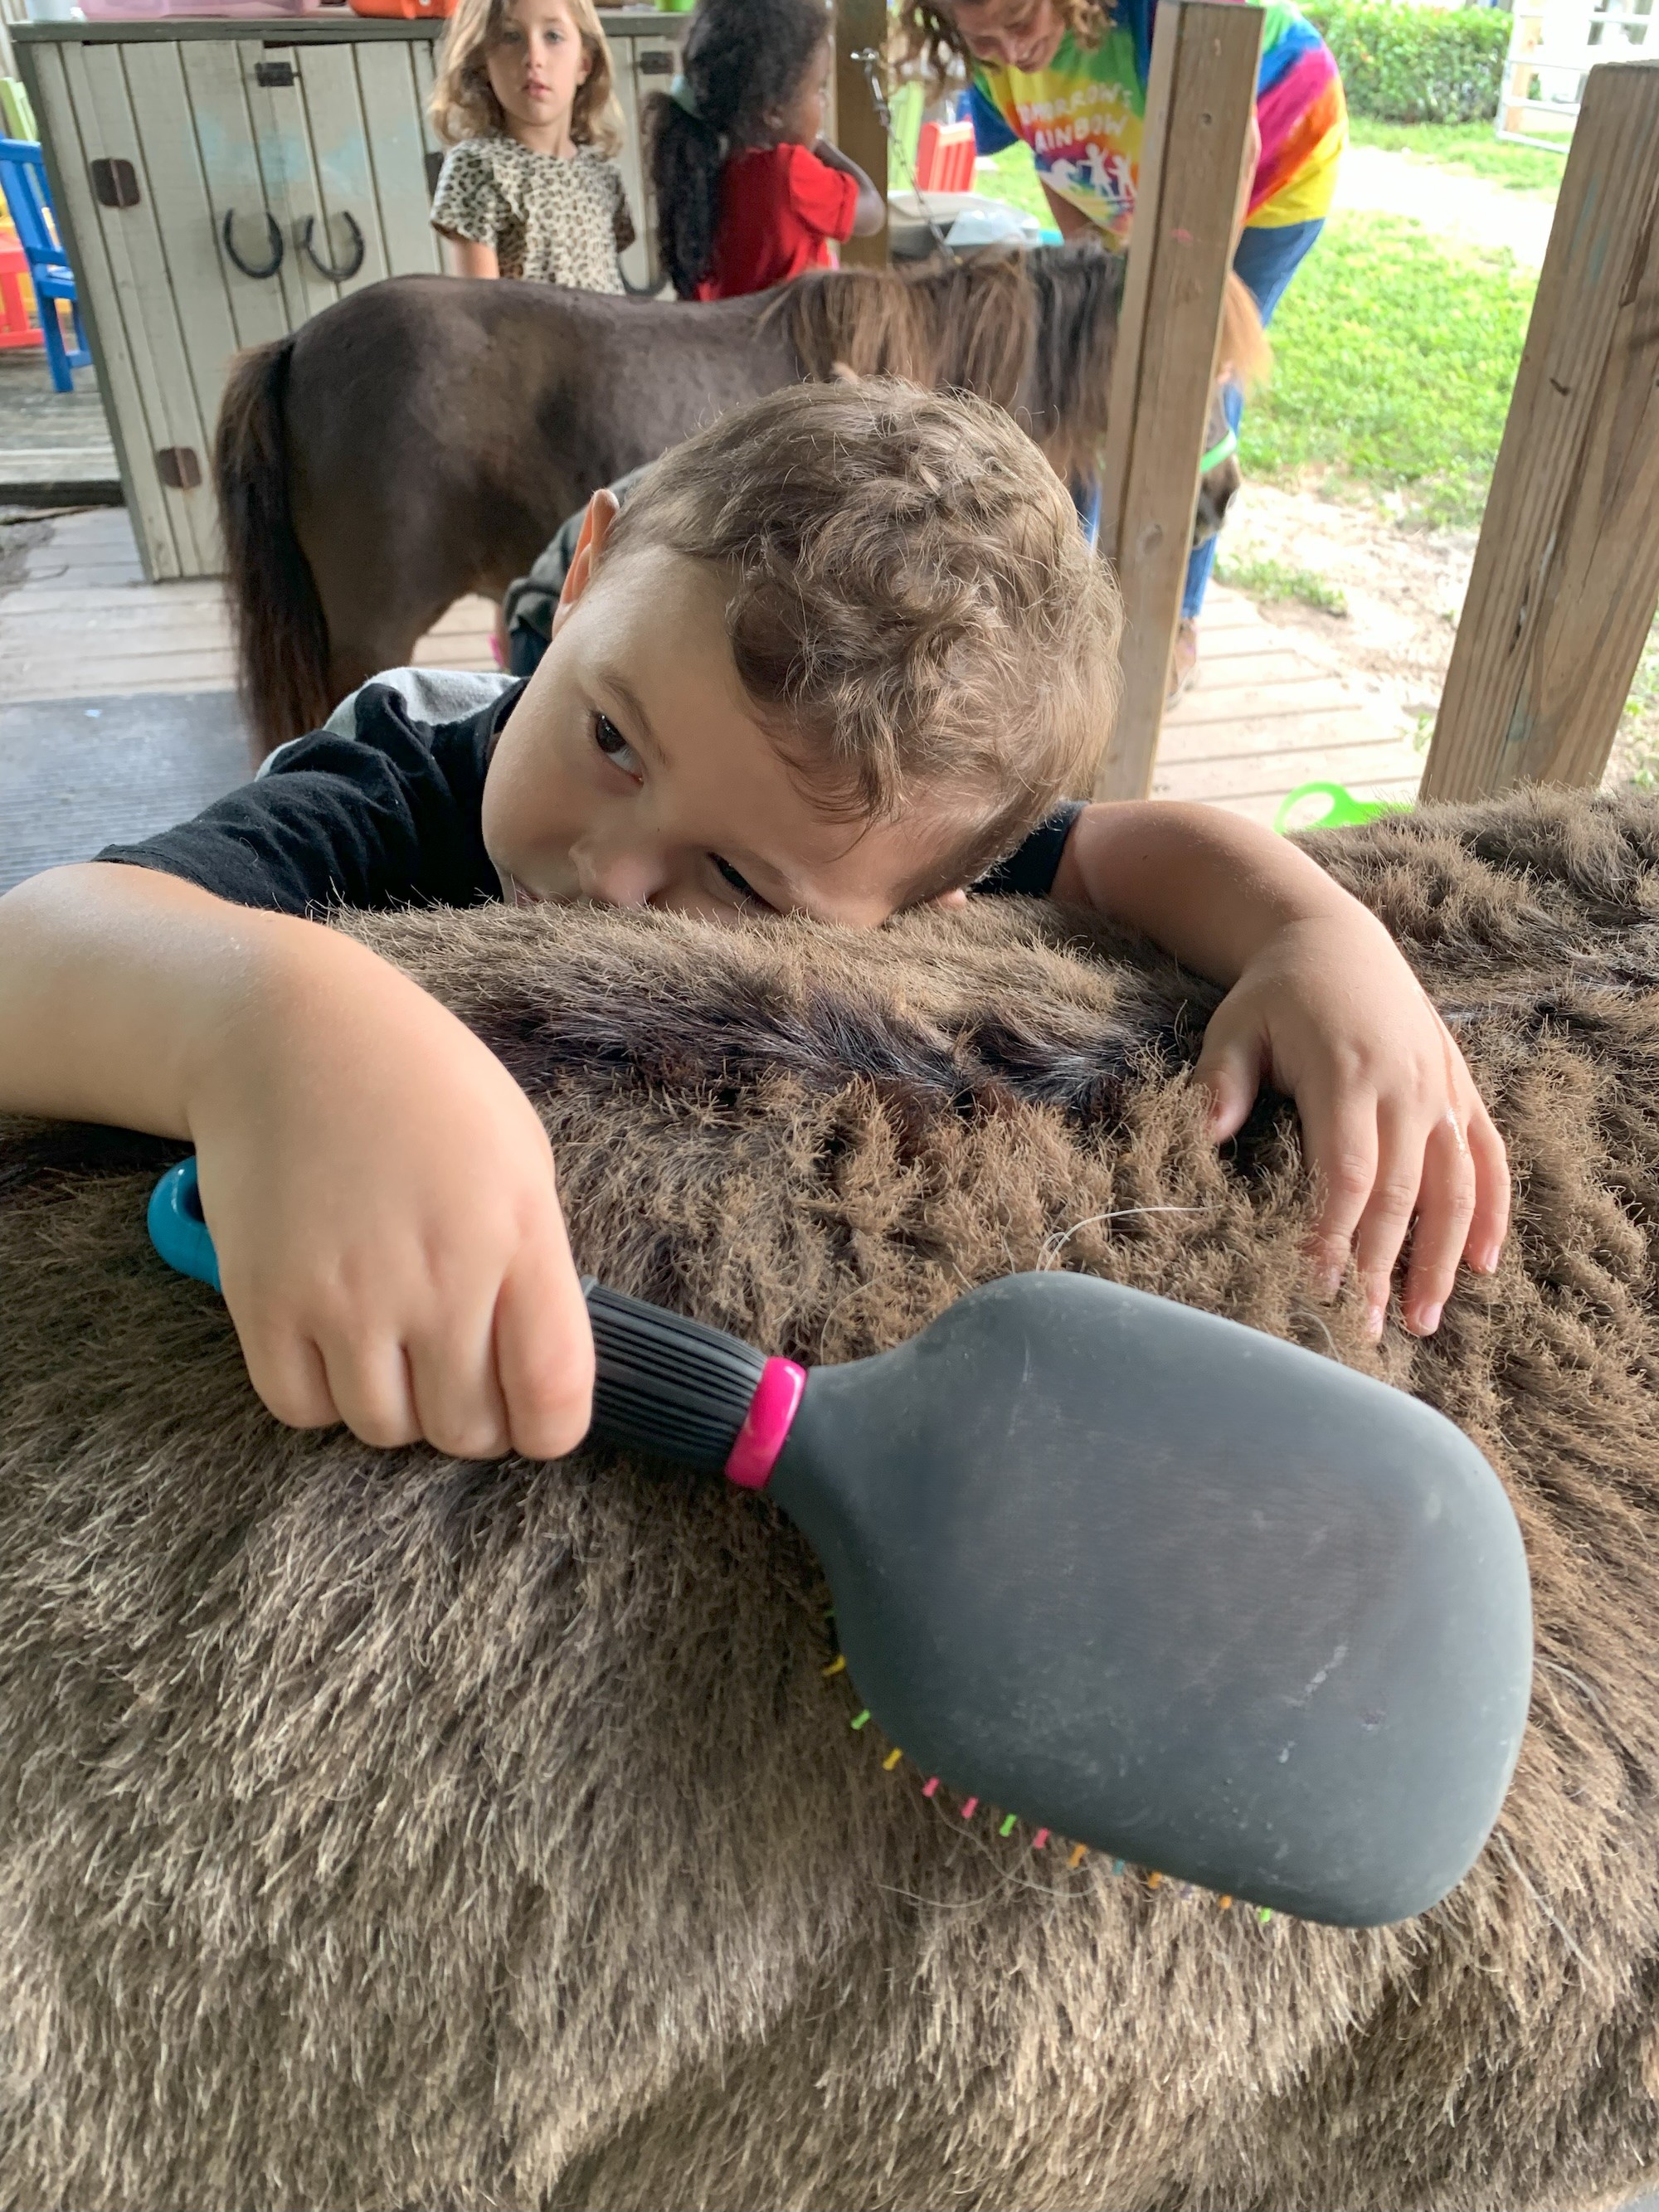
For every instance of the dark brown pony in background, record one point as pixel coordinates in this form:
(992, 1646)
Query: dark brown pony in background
(425, 437)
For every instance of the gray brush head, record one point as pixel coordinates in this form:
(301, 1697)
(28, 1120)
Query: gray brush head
(1175, 1590)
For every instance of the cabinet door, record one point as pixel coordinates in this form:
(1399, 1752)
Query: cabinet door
(644, 65)
(161, 288)
(288, 170)
(393, 88)
(359, 105)
(215, 73)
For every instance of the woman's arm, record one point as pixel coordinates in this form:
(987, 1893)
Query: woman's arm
(466, 257)
(870, 214)
(1321, 1005)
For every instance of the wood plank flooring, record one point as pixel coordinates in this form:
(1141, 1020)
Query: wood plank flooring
(77, 621)
(52, 444)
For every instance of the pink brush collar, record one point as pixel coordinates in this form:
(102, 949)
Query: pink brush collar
(766, 1425)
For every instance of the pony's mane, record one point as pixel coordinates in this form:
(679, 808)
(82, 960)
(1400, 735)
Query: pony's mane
(1033, 332)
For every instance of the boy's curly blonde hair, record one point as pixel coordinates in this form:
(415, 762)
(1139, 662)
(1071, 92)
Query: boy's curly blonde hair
(912, 608)
(463, 105)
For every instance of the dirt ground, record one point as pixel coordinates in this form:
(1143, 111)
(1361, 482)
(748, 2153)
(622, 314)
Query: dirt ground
(1404, 586)
(1404, 590)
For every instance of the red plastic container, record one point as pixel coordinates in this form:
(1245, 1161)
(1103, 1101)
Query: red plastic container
(17, 326)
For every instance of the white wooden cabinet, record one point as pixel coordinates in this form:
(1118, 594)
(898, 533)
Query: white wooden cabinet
(219, 182)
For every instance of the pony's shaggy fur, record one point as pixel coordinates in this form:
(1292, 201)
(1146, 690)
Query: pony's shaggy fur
(425, 437)
(379, 1831)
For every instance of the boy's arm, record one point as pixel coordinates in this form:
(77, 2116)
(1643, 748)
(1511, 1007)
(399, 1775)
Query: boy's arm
(381, 1192)
(1321, 1004)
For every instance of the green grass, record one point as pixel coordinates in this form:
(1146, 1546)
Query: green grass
(1470, 147)
(1267, 579)
(1395, 357)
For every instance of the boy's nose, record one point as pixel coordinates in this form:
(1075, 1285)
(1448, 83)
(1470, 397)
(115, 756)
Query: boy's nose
(628, 877)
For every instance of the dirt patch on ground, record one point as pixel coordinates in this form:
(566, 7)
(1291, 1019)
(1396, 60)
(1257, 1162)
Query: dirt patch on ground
(1403, 590)
(21, 530)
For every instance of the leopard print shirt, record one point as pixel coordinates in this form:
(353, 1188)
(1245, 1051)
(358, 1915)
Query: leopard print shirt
(554, 222)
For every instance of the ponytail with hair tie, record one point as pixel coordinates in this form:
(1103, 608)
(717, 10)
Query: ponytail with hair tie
(743, 61)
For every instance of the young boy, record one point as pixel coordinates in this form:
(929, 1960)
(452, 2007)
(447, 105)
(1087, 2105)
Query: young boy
(843, 653)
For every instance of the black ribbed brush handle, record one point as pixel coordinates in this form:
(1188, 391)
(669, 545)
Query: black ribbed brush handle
(665, 1384)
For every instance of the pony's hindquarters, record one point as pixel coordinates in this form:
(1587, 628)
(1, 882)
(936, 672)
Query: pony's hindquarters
(282, 636)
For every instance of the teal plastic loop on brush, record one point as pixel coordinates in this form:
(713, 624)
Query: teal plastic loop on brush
(178, 1227)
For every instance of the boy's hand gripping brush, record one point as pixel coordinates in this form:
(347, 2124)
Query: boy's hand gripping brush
(1162, 1584)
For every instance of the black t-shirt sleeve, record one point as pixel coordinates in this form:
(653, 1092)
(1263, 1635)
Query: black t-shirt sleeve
(1029, 872)
(391, 816)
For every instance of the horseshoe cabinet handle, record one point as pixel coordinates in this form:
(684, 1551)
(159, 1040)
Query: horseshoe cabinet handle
(249, 268)
(347, 269)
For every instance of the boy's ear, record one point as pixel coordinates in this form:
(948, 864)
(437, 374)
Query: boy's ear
(957, 897)
(601, 511)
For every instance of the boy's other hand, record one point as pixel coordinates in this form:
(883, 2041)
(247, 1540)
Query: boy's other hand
(382, 1198)
(1328, 1012)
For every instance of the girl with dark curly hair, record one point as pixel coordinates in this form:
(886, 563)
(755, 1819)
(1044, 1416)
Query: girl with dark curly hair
(748, 191)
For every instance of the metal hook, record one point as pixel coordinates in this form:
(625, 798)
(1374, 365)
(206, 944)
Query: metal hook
(343, 275)
(267, 269)
(867, 59)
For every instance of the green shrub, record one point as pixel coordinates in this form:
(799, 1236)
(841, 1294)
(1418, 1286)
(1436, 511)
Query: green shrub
(1405, 64)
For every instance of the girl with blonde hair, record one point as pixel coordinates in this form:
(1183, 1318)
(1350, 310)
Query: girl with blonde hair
(523, 101)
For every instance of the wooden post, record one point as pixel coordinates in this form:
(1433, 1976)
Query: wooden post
(861, 27)
(1199, 94)
(1566, 571)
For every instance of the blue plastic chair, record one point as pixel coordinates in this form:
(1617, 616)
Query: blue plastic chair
(24, 180)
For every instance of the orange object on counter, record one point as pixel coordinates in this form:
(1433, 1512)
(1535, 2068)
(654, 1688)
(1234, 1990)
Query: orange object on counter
(408, 10)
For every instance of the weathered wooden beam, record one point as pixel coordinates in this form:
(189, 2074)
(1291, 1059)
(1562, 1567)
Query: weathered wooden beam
(860, 28)
(1198, 98)
(1566, 571)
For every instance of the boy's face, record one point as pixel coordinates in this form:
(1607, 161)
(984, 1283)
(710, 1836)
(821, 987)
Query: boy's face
(632, 771)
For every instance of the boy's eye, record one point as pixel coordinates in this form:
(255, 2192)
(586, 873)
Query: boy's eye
(614, 747)
(740, 883)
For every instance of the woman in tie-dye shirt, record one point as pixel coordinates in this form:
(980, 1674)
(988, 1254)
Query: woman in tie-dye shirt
(1069, 78)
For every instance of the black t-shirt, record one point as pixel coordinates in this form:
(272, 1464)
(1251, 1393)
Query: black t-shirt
(384, 808)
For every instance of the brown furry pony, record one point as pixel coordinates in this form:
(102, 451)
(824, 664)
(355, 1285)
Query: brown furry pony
(378, 1830)
(425, 437)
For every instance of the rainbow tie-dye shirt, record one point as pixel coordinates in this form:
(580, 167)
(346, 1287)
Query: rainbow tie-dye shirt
(1082, 118)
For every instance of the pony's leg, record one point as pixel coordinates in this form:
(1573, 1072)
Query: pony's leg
(382, 582)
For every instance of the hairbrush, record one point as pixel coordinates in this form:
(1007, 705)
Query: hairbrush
(1183, 1592)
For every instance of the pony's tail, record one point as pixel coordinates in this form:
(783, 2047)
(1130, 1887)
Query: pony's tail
(1246, 355)
(282, 634)
(686, 160)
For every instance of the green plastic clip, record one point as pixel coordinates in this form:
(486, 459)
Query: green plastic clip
(1341, 809)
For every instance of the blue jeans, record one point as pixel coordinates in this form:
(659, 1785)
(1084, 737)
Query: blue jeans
(1266, 260)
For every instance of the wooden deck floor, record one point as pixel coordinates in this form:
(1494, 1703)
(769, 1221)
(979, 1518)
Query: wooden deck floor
(78, 623)
(55, 447)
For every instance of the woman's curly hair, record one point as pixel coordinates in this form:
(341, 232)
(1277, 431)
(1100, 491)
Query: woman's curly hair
(743, 60)
(920, 32)
(463, 105)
